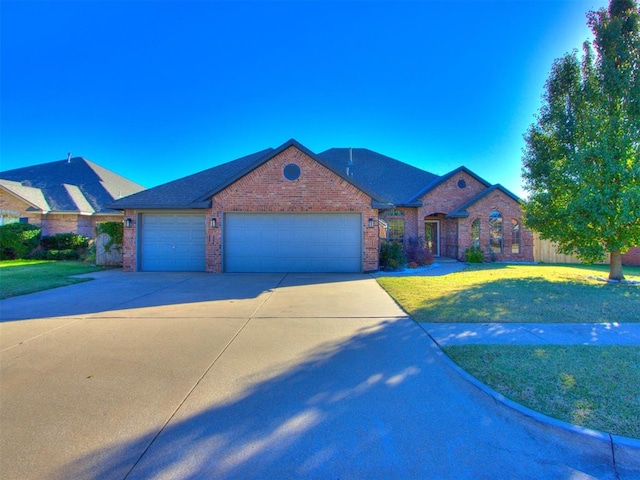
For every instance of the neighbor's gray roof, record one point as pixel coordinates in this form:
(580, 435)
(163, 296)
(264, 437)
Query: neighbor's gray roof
(31, 195)
(74, 185)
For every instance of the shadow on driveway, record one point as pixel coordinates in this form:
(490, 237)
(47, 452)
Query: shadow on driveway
(376, 405)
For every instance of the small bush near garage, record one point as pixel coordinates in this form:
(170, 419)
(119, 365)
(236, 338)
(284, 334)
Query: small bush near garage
(18, 240)
(62, 246)
(392, 256)
(64, 241)
(417, 253)
(473, 255)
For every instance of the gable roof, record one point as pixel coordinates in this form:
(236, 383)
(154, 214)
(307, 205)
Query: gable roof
(392, 180)
(73, 185)
(195, 191)
(389, 182)
(440, 180)
(32, 196)
(461, 211)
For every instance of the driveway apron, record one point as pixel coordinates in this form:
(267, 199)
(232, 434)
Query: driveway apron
(188, 376)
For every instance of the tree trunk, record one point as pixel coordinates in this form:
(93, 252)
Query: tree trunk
(615, 268)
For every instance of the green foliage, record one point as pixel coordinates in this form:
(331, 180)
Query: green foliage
(115, 231)
(474, 255)
(417, 253)
(66, 254)
(580, 163)
(64, 241)
(17, 240)
(392, 256)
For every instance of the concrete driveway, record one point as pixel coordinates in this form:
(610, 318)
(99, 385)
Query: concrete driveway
(189, 376)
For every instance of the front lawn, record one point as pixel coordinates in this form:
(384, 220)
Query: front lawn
(518, 293)
(594, 387)
(19, 277)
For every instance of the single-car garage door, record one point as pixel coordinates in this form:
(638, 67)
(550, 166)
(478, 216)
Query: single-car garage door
(292, 242)
(172, 242)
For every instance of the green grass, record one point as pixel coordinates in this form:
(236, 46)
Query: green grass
(590, 386)
(20, 277)
(518, 293)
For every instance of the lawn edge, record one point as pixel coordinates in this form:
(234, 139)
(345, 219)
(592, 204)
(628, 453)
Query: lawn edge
(625, 451)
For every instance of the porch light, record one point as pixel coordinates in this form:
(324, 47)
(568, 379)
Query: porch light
(371, 223)
(213, 223)
(128, 222)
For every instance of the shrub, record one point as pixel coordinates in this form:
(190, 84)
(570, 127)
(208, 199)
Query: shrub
(66, 254)
(392, 256)
(17, 240)
(417, 253)
(474, 255)
(65, 241)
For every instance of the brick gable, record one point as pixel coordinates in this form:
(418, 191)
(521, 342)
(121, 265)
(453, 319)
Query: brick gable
(265, 189)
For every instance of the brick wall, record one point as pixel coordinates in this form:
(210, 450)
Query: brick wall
(129, 259)
(509, 209)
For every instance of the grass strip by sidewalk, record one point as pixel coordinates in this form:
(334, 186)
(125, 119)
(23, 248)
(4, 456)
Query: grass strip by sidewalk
(518, 293)
(596, 387)
(20, 277)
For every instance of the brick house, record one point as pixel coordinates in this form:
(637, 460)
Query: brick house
(289, 209)
(66, 196)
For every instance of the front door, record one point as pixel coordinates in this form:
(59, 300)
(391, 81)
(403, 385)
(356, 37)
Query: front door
(432, 236)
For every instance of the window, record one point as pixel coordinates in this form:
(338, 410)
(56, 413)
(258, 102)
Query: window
(495, 232)
(475, 233)
(515, 236)
(395, 225)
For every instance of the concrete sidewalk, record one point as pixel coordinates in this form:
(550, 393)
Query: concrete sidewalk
(445, 334)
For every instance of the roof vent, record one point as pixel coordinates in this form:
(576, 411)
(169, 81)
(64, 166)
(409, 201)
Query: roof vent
(350, 164)
(69, 157)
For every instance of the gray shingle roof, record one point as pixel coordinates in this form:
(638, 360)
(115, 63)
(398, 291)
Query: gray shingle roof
(392, 180)
(32, 195)
(190, 191)
(387, 181)
(74, 185)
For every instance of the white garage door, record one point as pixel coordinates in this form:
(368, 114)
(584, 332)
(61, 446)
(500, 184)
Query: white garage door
(292, 242)
(172, 242)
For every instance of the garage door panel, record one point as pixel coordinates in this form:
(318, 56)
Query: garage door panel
(293, 243)
(172, 242)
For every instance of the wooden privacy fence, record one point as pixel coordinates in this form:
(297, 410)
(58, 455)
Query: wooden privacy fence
(545, 251)
(110, 258)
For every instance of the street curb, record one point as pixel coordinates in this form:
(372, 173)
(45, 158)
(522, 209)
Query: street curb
(625, 450)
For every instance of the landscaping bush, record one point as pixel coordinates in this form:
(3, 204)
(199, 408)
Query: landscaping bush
(417, 253)
(66, 254)
(64, 241)
(18, 240)
(392, 256)
(474, 255)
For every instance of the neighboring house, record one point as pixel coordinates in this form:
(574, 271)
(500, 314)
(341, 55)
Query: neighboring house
(67, 196)
(291, 210)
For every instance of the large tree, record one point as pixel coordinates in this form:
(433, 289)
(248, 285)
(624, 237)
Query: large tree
(581, 165)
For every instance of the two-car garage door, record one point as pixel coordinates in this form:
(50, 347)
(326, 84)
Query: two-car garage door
(292, 242)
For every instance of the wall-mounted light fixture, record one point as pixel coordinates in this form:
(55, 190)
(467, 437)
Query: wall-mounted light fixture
(128, 222)
(371, 223)
(213, 223)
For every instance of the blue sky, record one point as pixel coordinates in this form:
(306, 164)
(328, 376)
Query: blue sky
(157, 90)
